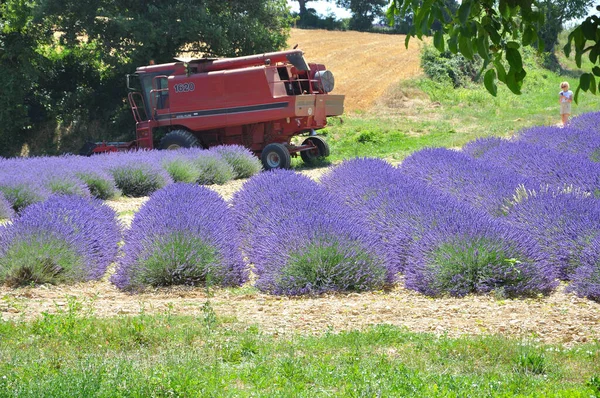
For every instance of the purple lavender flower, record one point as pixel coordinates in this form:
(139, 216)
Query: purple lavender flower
(301, 239)
(355, 181)
(22, 190)
(63, 239)
(481, 185)
(184, 234)
(543, 165)
(6, 210)
(244, 163)
(561, 223)
(585, 281)
(464, 256)
(586, 122)
(565, 139)
(136, 174)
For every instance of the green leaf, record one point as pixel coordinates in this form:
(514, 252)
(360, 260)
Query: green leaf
(501, 71)
(494, 35)
(453, 44)
(465, 46)
(464, 11)
(504, 9)
(596, 70)
(576, 97)
(529, 36)
(513, 56)
(589, 29)
(406, 40)
(513, 44)
(594, 53)
(483, 47)
(578, 59)
(438, 40)
(489, 80)
(593, 84)
(584, 81)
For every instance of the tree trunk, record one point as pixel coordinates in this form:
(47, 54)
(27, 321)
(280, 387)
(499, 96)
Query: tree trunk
(302, 7)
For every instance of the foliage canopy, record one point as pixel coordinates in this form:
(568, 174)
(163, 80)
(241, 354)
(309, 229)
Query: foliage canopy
(497, 31)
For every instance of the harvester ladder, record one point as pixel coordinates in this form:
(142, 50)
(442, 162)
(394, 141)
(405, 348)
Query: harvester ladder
(134, 105)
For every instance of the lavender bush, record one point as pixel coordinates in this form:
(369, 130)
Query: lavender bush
(240, 158)
(565, 139)
(213, 169)
(543, 165)
(585, 281)
(357, 180)
(477, 256)
(586, 122)
(301, 240)
(562, 223)
(6, 210)
(137, 178)
(477, 183)
(63, 239)
(22, 191)
(184, 234)
(181, 169)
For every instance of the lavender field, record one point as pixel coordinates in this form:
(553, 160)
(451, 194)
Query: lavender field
(511, 218)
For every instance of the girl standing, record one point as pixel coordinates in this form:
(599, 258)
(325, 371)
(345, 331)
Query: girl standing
(565, 97)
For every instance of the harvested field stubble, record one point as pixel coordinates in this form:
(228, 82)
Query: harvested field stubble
(364, 64)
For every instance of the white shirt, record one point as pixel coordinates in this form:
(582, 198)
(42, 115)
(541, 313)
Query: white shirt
(565, 95)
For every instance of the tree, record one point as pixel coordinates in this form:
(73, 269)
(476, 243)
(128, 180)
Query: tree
(63, 62)
(364, 12)
(556, 13)
(497, 30)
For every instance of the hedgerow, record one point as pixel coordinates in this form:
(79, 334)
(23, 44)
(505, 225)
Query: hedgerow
(183, 235)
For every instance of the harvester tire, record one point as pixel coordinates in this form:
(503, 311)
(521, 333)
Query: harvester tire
(178, 139)
(321, 149)
(275, 156)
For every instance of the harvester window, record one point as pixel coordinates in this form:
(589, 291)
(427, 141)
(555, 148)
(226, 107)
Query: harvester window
(292, 85)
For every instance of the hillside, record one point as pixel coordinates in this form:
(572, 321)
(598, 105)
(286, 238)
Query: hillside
(364, 64)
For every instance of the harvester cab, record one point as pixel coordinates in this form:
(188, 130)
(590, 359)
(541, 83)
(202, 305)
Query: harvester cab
(258, 101)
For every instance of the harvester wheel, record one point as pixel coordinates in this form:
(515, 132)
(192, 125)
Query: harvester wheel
(275, 156)
(178, 139)
(321, 149)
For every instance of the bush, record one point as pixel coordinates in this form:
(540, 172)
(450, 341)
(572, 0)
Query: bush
(301, 240)
(181, 170)
(100, 184)
(137, 179)
(22, 192)
(585, 143)
(213, 169)
(589, 122)
(546, 166)
(64, 239)
(357, 180)
(585, 280)
(443, 67)
(6, 210)
(241, 159)
(481, 185)
(183, 235)
(562, 223)
(477, 256)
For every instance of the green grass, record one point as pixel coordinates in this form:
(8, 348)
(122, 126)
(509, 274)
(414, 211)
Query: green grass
(440, 116)
(74, 353)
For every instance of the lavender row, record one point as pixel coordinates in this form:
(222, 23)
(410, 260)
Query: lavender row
(440, 244)
(25, 181)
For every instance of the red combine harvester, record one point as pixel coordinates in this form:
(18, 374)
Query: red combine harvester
(259, 101)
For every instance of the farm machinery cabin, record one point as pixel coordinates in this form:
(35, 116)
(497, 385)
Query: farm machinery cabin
(258, 101)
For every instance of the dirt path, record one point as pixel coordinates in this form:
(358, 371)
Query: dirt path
(560, 318)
